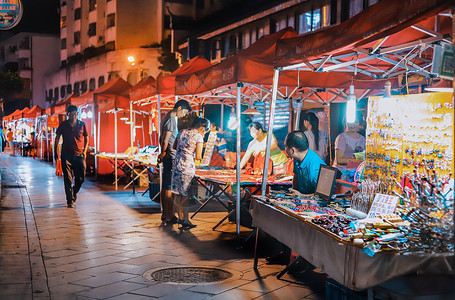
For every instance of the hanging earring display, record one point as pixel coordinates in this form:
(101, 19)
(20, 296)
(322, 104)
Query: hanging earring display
(407, 134)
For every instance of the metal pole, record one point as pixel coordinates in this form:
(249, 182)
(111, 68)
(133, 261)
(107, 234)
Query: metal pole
(115, 148)
(453, 99)
(276, 75)
(222, 117)
(239, 127)
(158, 105)
(131, 125)
(98, 143)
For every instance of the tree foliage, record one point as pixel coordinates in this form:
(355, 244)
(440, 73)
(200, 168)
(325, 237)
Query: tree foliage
(10, 83)
(167, 59)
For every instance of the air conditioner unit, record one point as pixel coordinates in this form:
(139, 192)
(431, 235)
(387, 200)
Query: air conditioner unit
(443, 61)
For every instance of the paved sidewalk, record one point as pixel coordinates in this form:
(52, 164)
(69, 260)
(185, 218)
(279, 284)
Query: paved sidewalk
(101, 248)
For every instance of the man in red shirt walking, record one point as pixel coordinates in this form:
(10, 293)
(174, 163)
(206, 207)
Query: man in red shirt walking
(73, 154)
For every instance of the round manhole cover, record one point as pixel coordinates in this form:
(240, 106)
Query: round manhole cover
(190, 275)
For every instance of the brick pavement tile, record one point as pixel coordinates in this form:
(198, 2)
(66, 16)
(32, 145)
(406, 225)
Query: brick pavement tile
(236, 295)
(265, 285)
(111, 290)
(59, 253)
(217, 288)
(65, 291)
(6, 290)
(287, 292)
(97, 281)
(67, 278)
(187, 295)
(142, 280)
(161, 289)
(131, 297)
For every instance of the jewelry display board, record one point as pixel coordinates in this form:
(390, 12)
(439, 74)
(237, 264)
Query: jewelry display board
(409, 135)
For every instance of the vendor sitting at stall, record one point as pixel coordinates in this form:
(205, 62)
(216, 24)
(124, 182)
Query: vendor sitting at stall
(306, 162)
(258, 145)
(347, 143)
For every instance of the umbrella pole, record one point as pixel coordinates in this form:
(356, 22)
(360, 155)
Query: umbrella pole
(276, 75)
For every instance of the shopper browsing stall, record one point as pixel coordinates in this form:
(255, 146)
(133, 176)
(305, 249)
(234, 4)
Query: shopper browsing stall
(306, 162)
(259, 144)
(189, 147)
(316, 138)
(168, 134)
(348, 143)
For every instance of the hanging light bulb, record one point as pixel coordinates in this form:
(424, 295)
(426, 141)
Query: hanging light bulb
(83, 115)
(351, 106)
(388, 89)
(232, 123)
(124, 117)
(89, 114)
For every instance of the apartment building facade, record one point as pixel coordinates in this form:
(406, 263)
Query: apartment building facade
(219, 40)
(104, 39)
(32, 56)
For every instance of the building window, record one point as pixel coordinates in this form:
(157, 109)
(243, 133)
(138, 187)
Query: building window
(83, 86)
(232, 44)
(56, 93)
(77, 38)
(92, 84)
(51, 94)
(110, 20)
(69, 89)
(63, 91)
(274, 27)
(110, 46)
(200, 4)
(223, 47)
(91, 29)
(304, 20)
(91, 5)
(355, 7)
(132, 78)
(77, 14)
(63, 44)
(100, 81)
(76, 88)
(63, 22)
(113, 75)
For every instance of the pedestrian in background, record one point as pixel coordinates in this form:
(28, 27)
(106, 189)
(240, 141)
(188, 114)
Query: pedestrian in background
(189, 147)
(10, 139)
(73, 154)
(168, 134)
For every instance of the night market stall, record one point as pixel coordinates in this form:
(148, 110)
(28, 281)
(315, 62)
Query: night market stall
(407, 190)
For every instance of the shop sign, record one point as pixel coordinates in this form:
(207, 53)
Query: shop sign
(10, 13)
(52, 121)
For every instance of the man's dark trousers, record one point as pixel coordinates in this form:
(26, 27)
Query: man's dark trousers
(73, 167)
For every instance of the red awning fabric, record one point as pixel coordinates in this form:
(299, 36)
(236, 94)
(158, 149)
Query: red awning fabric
(9, 117)
(116, 86)
(143, 89)
(34, 112)
(251, 65)
(378, 21)
(167, 85)
(108, 102)
(20, 114)
(60, 107)
(49, 110)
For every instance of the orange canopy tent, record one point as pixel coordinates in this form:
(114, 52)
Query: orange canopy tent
(60, 107)
(20, 114)
(9, 117)
(116, 86)
(34, 112)
(167, 85)
(143, 89)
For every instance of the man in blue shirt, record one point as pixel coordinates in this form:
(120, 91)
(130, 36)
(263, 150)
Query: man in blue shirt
(306, 162)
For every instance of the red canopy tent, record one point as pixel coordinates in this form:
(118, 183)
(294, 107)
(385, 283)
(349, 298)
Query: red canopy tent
(34, 112)
(9, 117)
(20, 114)
(60, 107)
(143, 89)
